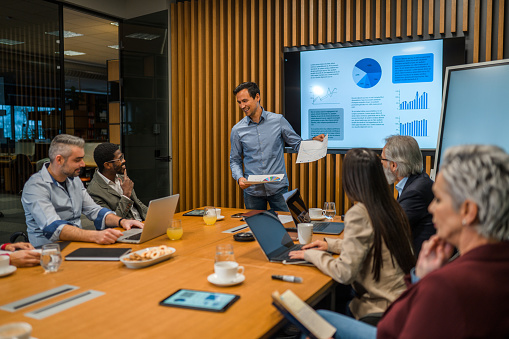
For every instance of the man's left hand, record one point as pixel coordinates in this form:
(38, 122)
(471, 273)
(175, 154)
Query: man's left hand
(319, 137)
(19, 246)
(130, 223)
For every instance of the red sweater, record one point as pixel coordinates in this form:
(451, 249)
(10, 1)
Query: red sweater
(468, 298)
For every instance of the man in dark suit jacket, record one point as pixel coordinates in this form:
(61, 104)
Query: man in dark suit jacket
(402, 161)
(111, 187)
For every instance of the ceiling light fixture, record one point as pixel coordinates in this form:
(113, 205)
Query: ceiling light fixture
(143, 36)
(67, 34)
(73, 53)
(10, 42)
(113, 46)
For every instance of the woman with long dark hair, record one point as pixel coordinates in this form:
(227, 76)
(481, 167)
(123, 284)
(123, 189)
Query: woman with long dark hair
(376, 251)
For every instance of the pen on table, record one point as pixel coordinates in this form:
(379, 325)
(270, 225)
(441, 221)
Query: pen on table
(289, 278)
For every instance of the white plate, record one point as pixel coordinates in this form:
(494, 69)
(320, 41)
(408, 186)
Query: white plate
(214, 280)
(319, 218)
(145, 263)
(9, 270)
(220, 217)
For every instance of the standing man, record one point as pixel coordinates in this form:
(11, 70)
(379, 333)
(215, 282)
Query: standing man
(53, 200)
(111, 187)
(257, 142)
(402, 161)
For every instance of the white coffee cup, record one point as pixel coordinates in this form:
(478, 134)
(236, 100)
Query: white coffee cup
(218, 212)
(315, 213)
(4, 262)
(305, 232)
(226, 271)
(19, 330)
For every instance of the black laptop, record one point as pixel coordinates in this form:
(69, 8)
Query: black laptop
(300, 214)
(273, 238)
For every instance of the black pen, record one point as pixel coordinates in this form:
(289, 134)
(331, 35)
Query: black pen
(289, 278)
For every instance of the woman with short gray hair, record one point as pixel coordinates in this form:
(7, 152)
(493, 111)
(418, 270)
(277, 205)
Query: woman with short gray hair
(468, 297)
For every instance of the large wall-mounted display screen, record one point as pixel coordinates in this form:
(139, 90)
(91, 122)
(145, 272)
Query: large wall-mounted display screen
(360, 95)
(475, 107)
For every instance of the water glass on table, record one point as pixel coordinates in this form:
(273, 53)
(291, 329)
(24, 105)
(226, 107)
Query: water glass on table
(329, 210)
(51, 257)
(210, 215)
(174, 230)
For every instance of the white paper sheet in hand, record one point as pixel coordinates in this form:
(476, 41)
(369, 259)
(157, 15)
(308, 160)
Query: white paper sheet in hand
(264, 179)
(312, 150)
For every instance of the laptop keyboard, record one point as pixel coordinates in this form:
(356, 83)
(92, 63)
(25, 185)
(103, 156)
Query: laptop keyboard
(136, 236)
(320, 226)
(284, 255)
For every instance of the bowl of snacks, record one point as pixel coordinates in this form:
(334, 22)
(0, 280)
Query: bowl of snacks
(147, 256)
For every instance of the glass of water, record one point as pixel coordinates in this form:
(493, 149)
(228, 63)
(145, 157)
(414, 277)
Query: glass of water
(51, 257)
(329, 210)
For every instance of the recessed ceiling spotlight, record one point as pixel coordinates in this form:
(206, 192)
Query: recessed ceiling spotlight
(114, 23)
(143, 36)
(113, 46)
(67, 34)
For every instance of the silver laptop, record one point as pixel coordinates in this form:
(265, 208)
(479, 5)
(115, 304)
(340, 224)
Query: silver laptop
(160, 213)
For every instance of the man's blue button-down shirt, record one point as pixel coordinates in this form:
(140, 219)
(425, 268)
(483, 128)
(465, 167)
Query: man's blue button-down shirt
(260, 147)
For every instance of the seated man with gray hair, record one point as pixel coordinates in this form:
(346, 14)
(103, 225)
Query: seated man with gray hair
(54, 199)
(402, 162)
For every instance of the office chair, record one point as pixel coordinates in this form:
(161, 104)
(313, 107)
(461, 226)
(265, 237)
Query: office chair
(14, 237)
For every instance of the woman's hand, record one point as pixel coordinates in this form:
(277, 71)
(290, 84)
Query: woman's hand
(317, 245)
(434, 254)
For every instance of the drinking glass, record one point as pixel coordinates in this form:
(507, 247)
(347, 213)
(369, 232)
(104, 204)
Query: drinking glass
(174, 230)
(224, 252)
(329, 210)
(209, 215)
(51, 257)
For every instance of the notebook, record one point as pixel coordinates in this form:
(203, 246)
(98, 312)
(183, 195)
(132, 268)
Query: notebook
(300, 213)
(273, 238)
(160, 213)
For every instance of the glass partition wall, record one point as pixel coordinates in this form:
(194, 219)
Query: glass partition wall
(53, 79)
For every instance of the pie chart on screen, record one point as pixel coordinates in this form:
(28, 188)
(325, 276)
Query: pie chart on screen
(367, 73)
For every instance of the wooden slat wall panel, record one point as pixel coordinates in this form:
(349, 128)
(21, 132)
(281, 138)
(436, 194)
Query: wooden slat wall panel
(500, 38)
(454, 13)
(218, 44)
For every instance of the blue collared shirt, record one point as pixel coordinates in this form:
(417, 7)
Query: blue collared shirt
(49, 206)
(400, 185)
(260, 147)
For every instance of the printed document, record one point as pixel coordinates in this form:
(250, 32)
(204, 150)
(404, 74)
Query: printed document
(312, 150)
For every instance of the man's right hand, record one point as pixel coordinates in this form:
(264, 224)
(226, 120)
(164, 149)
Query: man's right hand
(127, 185)
(107, 236)
(242, 184)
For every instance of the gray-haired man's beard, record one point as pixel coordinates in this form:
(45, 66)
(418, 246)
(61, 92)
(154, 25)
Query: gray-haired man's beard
(391, 177)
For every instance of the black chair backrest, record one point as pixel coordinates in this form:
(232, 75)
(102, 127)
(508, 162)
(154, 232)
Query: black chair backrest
(297, 207)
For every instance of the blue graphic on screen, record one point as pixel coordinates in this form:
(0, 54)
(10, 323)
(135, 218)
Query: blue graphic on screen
(367, 73)
(419, 102)
(416, 128)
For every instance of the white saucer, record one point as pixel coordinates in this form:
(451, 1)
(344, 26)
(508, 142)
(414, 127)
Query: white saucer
(220, 217)
(319, 218)
(9, 270)
(214, 280)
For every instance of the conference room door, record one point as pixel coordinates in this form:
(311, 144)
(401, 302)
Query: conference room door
(146, 117)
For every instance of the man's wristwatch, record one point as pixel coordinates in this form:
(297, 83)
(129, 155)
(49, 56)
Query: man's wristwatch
(119, 221)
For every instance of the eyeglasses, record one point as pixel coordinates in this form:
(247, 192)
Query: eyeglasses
(121, 158)
(382, 159)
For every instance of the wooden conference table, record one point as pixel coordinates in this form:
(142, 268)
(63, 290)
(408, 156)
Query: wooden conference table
(130, 306)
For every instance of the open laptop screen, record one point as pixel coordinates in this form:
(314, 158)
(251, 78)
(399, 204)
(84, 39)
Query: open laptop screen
(269, 231)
